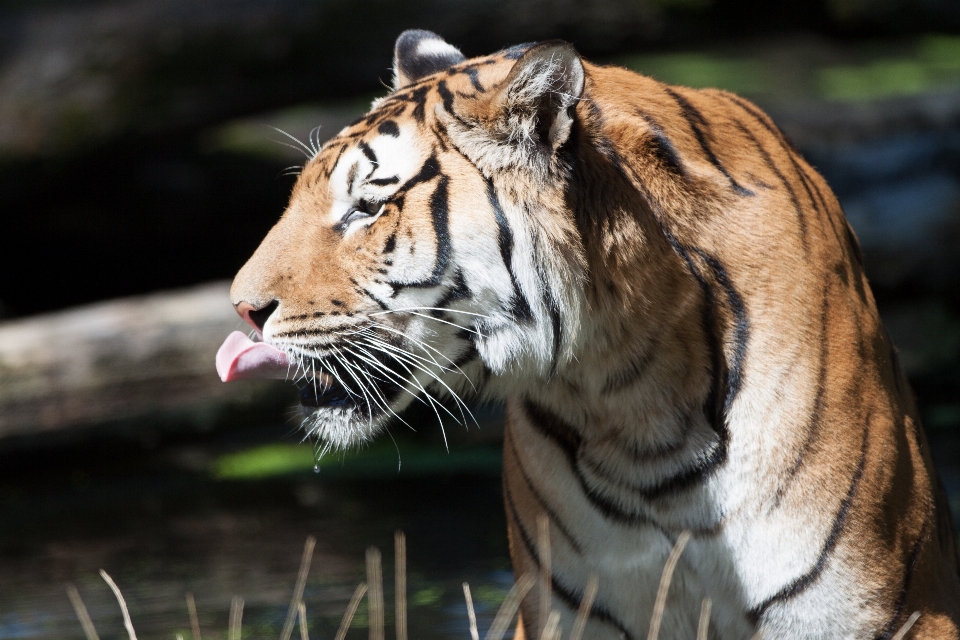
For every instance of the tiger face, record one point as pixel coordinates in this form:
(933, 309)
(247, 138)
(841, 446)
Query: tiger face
(399, 269)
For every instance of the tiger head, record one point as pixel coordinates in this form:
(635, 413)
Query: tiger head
(428, 248)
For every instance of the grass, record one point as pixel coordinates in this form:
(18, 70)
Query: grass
(548, 624)
(379, 460)
(864, 73)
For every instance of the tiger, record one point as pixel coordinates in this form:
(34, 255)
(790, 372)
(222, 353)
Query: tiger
(672, 306)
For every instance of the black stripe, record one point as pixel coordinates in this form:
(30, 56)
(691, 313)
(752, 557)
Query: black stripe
(445, 95)
(663, 149)
(683, 479)
(719, 369)
(389, 128)
(894, 625)
(554, 310)
(369, 294)
(383, 182)
(854, 246)
(801, 219)
(440, 217)
(814, 422)
(351, 177)
(697, 123)
(468, 356)
(439, 209)
(458, 291)
(419, 98)
(390, 244)
(544, 505)
(818, 202)
(637, 365)
(800, 584)
(474, 78)
(519, 306)
(741, 328)
(429, 171)
(552, 427)
(565, 593)
(367, 152)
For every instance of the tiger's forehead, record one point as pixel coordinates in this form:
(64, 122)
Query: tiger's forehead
(412, 107)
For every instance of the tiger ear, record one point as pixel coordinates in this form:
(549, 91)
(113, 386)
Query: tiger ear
(529, 116)
(419, 53)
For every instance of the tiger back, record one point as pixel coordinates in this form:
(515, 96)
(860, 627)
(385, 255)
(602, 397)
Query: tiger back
(674, 308)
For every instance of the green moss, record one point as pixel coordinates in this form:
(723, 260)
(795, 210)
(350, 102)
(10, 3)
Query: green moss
(700, 70)
(426, 597)
(265, 461)
(880, 79)
(941, 52)
(380, 460)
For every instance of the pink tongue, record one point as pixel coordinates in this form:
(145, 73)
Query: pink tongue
(240, 357)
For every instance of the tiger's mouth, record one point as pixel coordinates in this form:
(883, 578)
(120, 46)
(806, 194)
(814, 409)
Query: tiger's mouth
(323, 391)
(340, 389)
(346, 385)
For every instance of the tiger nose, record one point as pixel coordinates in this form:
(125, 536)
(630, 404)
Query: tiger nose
(256, 318)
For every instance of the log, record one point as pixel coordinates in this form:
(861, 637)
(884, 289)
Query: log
(123, 360)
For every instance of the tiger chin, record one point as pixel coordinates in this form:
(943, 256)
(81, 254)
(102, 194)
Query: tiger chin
(674, 308)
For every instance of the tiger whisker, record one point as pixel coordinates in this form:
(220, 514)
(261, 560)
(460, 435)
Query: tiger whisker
(425, 348)
(306, 150)
(433, 402)
(404, 309)
(384, 404)
(461, 405)
(423, 345)
(452, 324)
(368, 357)
(349, 368)
(393, 347)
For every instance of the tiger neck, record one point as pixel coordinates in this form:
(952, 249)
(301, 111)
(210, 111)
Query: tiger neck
(643, 382)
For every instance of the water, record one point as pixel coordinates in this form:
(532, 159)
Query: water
(161, 533)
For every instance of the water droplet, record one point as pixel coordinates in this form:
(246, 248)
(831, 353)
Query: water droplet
(316, 468)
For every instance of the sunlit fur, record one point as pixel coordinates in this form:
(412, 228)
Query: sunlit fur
(670, 301)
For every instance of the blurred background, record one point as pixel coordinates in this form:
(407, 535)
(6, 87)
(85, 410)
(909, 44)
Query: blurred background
(138, 171)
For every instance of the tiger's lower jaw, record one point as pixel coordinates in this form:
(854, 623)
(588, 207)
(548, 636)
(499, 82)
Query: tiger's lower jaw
(339, 428)
(342, 418)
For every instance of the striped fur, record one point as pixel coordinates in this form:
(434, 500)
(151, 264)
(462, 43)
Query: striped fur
(674, 308)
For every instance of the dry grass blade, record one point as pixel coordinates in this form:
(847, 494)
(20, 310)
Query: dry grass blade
(546, 572)
(906, 626)
(298, 590)
(665, 578)
(302, 611)
(551, 630)
(351, 610)
(471, 614)
(400, 582)
(236, 616)
(704, 625)
(508, 610)
(127, 623)
(194, 620)
(375, 597)
(586, 604)
(81, 609)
